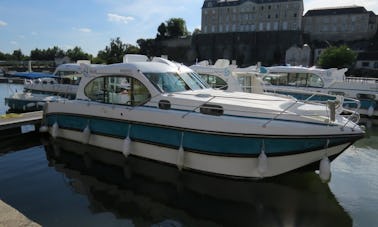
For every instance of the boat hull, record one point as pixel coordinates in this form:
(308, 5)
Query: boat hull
(210, 152)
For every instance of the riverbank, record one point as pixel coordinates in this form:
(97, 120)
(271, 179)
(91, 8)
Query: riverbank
(12, 217)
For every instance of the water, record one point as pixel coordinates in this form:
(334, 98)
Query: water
(61, 183)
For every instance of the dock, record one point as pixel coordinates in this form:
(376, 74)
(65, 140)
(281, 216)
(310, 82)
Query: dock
(11, 80)
(11, 124)
(12, 217)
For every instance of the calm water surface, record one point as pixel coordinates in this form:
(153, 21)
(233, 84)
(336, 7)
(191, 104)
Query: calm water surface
(61, 183)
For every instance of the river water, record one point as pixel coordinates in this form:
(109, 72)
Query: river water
(61, 183)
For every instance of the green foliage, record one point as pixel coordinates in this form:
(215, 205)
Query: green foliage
(17, 55)
(172, 28)
(47, 55)
(115, 51)
(147, 46)
(78, 54)
(176, 27)
(197, 31)
(337, 57)
(162, 31)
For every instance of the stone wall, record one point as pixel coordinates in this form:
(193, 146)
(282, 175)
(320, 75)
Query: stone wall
(246, 48)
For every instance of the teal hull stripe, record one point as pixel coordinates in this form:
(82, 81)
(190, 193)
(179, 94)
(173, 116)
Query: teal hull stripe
(214, 144)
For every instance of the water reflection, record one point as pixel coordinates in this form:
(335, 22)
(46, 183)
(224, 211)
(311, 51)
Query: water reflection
(149, 193)
(10, 143)
(370, 140)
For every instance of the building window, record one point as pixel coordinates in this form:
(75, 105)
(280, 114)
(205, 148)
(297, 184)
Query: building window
(295, 14)
(284, 25)
(376, 65)
(275, 26)
(365, 64)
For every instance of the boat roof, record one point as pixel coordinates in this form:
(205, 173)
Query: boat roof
(68, 67)
(32, 75)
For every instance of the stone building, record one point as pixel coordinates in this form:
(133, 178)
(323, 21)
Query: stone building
(367, 60)
(223, 16)
(341, 23)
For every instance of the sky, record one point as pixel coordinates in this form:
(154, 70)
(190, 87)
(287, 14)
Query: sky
(91, 24)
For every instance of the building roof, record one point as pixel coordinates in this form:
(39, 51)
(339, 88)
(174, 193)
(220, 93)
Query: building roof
(341, 10)
(224, 3)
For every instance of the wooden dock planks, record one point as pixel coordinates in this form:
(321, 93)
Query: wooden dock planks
(11, 121)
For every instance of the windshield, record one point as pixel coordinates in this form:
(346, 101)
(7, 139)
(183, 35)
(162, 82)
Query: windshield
(173, 82)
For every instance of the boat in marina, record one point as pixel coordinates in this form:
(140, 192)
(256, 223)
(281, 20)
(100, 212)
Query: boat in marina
(256, 79)
(297, 80)
(41, 88)
(163, 111)
(225, 76)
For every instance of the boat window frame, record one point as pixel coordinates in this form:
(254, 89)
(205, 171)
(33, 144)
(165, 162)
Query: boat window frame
(116, 94)
(209, 79)
(292, 80)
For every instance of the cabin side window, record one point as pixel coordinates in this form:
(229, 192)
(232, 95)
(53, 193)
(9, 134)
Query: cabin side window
(314, 81)
(119, 90)
(214, 81)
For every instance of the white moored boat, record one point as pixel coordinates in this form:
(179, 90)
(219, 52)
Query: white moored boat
(299, 81)
(42, 88)
(162, 111)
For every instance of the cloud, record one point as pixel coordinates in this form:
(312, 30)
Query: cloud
(85, 30)
(112, 17)
(14, 42)
(3, 23)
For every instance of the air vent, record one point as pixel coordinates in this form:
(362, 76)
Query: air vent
(211, 110)
(164, 104)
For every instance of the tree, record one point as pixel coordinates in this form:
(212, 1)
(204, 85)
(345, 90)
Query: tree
(48, 55)
(115, 51)
(337, 57)
(78, 54)
(162, 31)
(176, 27)
(197, 31)
(147, 46)
(17, 54)
(2, 56)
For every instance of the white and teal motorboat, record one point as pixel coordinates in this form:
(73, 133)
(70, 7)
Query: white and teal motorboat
(163, 111)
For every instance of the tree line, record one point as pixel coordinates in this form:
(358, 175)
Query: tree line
(112, 53)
